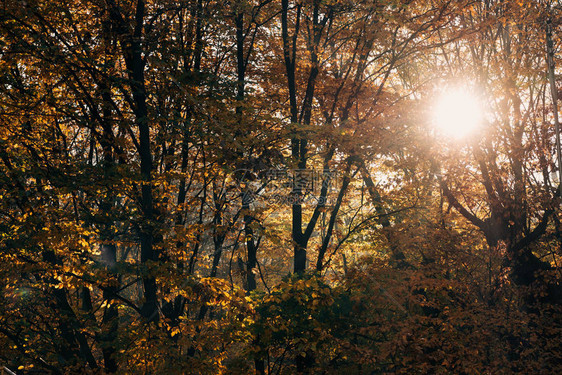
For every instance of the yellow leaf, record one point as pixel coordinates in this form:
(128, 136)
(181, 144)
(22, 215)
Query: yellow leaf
(175, 331)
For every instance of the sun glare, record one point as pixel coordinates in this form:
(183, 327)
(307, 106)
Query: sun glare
(458, 113)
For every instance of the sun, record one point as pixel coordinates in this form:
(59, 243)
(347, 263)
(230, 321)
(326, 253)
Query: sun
(458, 113)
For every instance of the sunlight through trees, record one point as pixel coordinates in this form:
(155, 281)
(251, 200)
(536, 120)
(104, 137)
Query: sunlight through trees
(280, 187)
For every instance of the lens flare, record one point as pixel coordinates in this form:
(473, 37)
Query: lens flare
(458, 113)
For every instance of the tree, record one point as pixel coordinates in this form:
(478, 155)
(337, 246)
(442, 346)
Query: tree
(513, 161)
(200, 186)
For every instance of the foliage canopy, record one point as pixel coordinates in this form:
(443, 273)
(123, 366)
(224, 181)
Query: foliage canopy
(193, 186)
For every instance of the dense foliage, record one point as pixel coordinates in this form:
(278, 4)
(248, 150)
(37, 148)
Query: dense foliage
(193, 186)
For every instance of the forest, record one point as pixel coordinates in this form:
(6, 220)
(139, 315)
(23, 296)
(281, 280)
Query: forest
(280, 187)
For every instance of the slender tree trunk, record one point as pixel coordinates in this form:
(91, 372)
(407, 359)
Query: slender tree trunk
(333, 216)
(132, 52)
